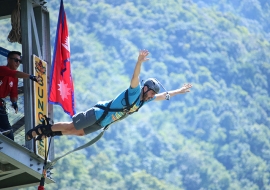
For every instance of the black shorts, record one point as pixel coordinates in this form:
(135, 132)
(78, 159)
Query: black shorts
(86, 121)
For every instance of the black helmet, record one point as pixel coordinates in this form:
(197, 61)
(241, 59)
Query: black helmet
(152, 84)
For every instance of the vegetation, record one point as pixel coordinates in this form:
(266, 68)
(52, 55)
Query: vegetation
(215, 138)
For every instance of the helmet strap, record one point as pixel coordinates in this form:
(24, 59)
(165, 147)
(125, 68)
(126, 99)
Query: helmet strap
(167, 93)
(143, 93)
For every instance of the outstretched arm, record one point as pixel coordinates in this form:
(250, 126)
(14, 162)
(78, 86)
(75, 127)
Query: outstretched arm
(185, 88)
(20, 74)
(135, 78)
(5, 71)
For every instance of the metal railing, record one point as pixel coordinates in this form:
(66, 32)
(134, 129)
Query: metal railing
(17, 120)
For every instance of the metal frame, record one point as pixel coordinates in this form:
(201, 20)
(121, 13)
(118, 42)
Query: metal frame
(35, 40)
(18, 161)
(20, 166)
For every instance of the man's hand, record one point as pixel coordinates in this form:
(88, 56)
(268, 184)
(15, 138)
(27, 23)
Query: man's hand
(15, 106)
(185, 88)
(167, 95)
(37, 79)
(143, 56)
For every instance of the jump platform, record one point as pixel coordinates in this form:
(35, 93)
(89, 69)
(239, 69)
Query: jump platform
(19, 167)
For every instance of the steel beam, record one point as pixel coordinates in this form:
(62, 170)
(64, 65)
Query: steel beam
(27, 52)
(26, 162)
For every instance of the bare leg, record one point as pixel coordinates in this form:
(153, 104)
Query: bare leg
(67, 128)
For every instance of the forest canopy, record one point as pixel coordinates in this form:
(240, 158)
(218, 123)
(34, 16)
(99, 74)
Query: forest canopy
(215, 137)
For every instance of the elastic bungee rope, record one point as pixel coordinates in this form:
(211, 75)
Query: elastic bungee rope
(44, 171)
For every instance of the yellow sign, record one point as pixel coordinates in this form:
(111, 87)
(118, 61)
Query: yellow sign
(41, 102)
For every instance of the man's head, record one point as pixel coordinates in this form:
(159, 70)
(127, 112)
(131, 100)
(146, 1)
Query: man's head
(150, 88)
(14, 60)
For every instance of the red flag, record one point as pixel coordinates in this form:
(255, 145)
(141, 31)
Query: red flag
(61, 91)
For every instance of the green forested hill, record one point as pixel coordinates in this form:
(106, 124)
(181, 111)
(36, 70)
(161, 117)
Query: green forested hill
(214, 138)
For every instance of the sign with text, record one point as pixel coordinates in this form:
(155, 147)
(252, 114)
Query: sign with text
(41, 102)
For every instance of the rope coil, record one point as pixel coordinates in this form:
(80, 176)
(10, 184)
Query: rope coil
(15, 33)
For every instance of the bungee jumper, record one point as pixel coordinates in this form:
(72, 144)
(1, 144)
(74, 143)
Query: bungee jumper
(105, 113)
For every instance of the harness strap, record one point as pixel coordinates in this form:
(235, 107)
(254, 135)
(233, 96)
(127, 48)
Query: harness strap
(94, 140)
(107, 108)
(128, 106)
(106, 111)
(124, 109)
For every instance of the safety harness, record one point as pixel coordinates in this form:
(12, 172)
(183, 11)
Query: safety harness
(125, 109)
